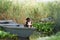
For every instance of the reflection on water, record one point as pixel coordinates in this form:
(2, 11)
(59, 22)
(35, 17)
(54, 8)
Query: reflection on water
(38, 36)
(35, 36)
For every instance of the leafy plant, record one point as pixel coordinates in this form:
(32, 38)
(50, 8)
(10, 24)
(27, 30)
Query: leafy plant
(45, 28)
(6, 35)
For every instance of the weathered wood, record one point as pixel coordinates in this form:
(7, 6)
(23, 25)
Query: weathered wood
(21, 31)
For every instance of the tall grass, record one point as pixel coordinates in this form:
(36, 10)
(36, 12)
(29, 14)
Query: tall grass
(20, 11)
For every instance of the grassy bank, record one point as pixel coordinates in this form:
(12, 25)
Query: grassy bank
(52, 37)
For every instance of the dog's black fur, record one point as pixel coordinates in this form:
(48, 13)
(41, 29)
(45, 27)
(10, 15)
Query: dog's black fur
(27, 20)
